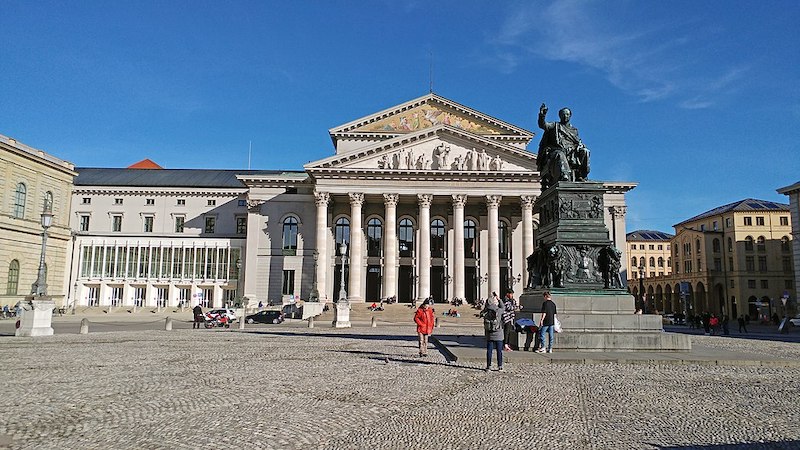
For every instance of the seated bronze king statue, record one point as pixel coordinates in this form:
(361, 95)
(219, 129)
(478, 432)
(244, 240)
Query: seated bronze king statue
(562, 156)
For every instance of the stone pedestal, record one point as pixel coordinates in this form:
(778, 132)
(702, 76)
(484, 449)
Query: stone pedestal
(37, 317)
(341, 315)
(602, 320)
(312, 309)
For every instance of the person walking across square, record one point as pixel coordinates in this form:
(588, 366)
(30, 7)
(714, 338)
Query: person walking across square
(547, 322)
(425, 322)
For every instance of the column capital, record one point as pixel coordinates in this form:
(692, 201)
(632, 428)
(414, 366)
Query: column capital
(356, 198)
(425, 200)
(618, 211)
(526, 201)
(493, 201)
(254, 206)
(459, 200)
(322, 198)
(391, 199)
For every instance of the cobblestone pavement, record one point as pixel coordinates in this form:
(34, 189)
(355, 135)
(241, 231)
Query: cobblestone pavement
(282, 387)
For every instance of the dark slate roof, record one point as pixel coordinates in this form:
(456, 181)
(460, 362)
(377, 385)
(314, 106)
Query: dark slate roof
(200, 178)
(648, 235)
(748, 204)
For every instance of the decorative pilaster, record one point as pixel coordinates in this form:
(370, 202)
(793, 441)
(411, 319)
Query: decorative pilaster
(526, 202)
(424, 253)
(492, 206)
(356, 247)
(390, 246)
(322, 199)
(459, 201)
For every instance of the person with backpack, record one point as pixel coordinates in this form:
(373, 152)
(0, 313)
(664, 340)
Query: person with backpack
(547, 323)
(493, 329)
(425, 321)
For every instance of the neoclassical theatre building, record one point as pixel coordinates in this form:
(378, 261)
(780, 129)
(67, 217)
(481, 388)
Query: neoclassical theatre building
(431, 198)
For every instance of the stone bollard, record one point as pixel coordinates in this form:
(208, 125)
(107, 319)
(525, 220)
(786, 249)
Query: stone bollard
(241, 323)
(311, 322)
(135, 309)
(374, 322)
(436, 323)
(84, 326)
(168, 324)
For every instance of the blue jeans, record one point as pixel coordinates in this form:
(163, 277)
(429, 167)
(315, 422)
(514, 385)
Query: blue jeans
(498, 345)
(549, 330)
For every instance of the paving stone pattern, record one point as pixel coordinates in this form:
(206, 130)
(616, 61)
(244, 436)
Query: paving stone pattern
(321, 388)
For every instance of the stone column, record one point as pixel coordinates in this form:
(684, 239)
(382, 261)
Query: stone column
(618, 237)
(526, 201)
(459, 201)
(492, 205)
(255, 224)
(390, 246)
(356, 247)
(424, 254)
(322, 199)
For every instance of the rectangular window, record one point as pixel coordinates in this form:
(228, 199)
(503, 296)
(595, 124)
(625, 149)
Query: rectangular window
(762, 263)
(212, 203)
(784, 221)
(177, 263)
(699, 265)
(786, 262)
(733, 284)
(86, 201)
(702, 227)
(748, 221)
(241, 225)
(84, 223)
(288, 282)
(641, 246)
(179, 220)
(149, 201)
(181, 202)
(633, 247)
(117, 201)
(714, 225)
(661, 247)
(210, 223)
(148, 224)
(116, 223)
(750, 264)
(727, 222)
(764, 284)
(651, 247)
(751, 284)
(760, 221)
(718, 264)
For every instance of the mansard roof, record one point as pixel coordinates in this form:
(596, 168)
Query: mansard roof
(648, 235)
(746, 205)
(199, 178)
(428, 111)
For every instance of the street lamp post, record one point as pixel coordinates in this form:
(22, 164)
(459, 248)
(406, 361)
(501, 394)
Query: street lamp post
(641, 288)
(341, 318)
(38, 310)
(239, 294)
(314, 296)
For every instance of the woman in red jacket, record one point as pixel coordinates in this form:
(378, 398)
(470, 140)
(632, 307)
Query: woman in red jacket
(424, 320)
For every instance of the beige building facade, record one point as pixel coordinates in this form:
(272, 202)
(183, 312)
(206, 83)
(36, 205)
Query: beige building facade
(793, 192)
(28, 178)
(735, 260)
(432, 199)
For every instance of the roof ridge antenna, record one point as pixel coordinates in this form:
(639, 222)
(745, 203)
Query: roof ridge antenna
(430, 72)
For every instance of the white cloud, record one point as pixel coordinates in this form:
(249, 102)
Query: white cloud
(649, 60)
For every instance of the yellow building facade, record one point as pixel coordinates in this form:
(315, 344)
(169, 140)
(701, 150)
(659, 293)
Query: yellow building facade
(28, 178)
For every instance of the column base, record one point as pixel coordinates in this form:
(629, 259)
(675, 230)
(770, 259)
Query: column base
(341, 315)
(37, 317)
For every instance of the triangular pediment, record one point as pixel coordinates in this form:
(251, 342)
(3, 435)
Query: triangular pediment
(427, 112)
(438, 149)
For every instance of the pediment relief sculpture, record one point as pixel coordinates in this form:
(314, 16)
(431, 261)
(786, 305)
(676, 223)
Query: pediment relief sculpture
(426, 116)
(443, 157)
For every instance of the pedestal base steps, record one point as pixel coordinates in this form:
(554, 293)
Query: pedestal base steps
(37, 317)
(602, 320)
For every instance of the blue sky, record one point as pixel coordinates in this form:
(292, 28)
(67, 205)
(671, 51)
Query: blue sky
(697, 101)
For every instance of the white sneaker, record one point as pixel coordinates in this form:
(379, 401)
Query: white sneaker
(549, 350)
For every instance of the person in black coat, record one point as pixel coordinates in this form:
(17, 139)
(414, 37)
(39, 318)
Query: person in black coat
(198, 316)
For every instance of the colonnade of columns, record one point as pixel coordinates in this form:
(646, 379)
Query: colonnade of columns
(390, 267)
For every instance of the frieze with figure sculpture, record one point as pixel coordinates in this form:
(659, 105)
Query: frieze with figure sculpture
(442, 157)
